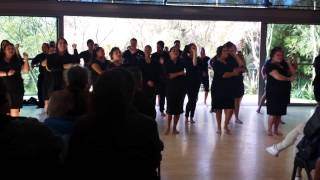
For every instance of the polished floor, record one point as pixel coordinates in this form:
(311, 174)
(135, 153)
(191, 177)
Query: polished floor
(198, 153)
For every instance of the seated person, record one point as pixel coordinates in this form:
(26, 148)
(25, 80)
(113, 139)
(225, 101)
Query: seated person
(26, 145)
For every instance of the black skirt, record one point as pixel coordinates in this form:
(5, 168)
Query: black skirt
(175, 93)
(276, 108)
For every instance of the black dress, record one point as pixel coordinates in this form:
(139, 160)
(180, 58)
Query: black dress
(149, 73)
(104, 65)
(203, 64)
(130, 59)
(175, 91)
(222, 88)
(14, 83)
(54, 80)
(42, 70)
(277, 92)
(238, 85)
(316, 81)
(193, 81)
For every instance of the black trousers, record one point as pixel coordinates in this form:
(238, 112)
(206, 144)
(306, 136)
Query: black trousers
(162, 95)
(192, 93)
(40, 86)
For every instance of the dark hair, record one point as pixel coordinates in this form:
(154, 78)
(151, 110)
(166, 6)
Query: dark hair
(96, 51)
(133, 39)
(186, 50)
(112, 51)
(274, 51)
(229, 44)
(90, 41)
(52, 44)
(3, 42)
(161, 44)
(77, 78)
(176, 41)
(173, 47)
(45, 44)
(219, 51)
(113, 95)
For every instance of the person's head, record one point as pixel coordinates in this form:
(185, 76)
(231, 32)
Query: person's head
(95, 46)
(231, 47)
(62, 46)
(147, 50)
(4, 103)
(99, 53)
(115, 54)
(90, 44)
(52, 47)
(4, 42)
(174, 53)
(222, 52)
(45, 48)
(188, 49)
(202, 52)
(77, 78)
(60, 105)
(8, 51)
(160, 46)
(277, 54)
(177, 44)
(133, 43)
(113, 93)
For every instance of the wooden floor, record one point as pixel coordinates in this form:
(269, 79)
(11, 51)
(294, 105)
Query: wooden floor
(198, 153)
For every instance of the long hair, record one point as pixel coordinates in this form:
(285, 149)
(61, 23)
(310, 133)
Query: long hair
(113, 96)
(64, 41)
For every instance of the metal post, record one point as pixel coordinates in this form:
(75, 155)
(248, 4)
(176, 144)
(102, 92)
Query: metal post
(263, 56)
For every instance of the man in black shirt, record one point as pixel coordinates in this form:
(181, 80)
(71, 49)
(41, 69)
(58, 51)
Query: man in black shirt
(87, 55)
(160, 75)
(178, 45)
(37, 62)
(133, 55)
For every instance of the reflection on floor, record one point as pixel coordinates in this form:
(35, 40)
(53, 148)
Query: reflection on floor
(198, 153)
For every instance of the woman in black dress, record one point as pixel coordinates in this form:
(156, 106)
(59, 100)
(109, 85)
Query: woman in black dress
(203, 63)
(175, 92)
(55, 65)
(279, 76)
(116, 57)
(193, 79)
(149, 73)
(11, 67)
(237, 80)
(222, 87)
(99, 64)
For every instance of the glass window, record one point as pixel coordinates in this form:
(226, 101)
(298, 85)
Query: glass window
(110, 32)
(29, 33)
(302, 43)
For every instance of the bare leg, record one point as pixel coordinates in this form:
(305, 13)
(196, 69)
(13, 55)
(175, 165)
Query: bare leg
(169, 124)
(218, 118)
(175, 123)
(276, 126)
(228, 115)
(262, 100)
(271, 121)
(237, 102)
(205, 97)
(14, 112)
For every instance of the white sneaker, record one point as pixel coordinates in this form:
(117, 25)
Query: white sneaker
(273, 150)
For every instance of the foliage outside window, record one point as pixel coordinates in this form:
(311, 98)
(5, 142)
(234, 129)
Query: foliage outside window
(30, 33)
(302, 43)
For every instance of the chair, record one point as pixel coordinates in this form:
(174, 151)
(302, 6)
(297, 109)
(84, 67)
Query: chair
(303, 164)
